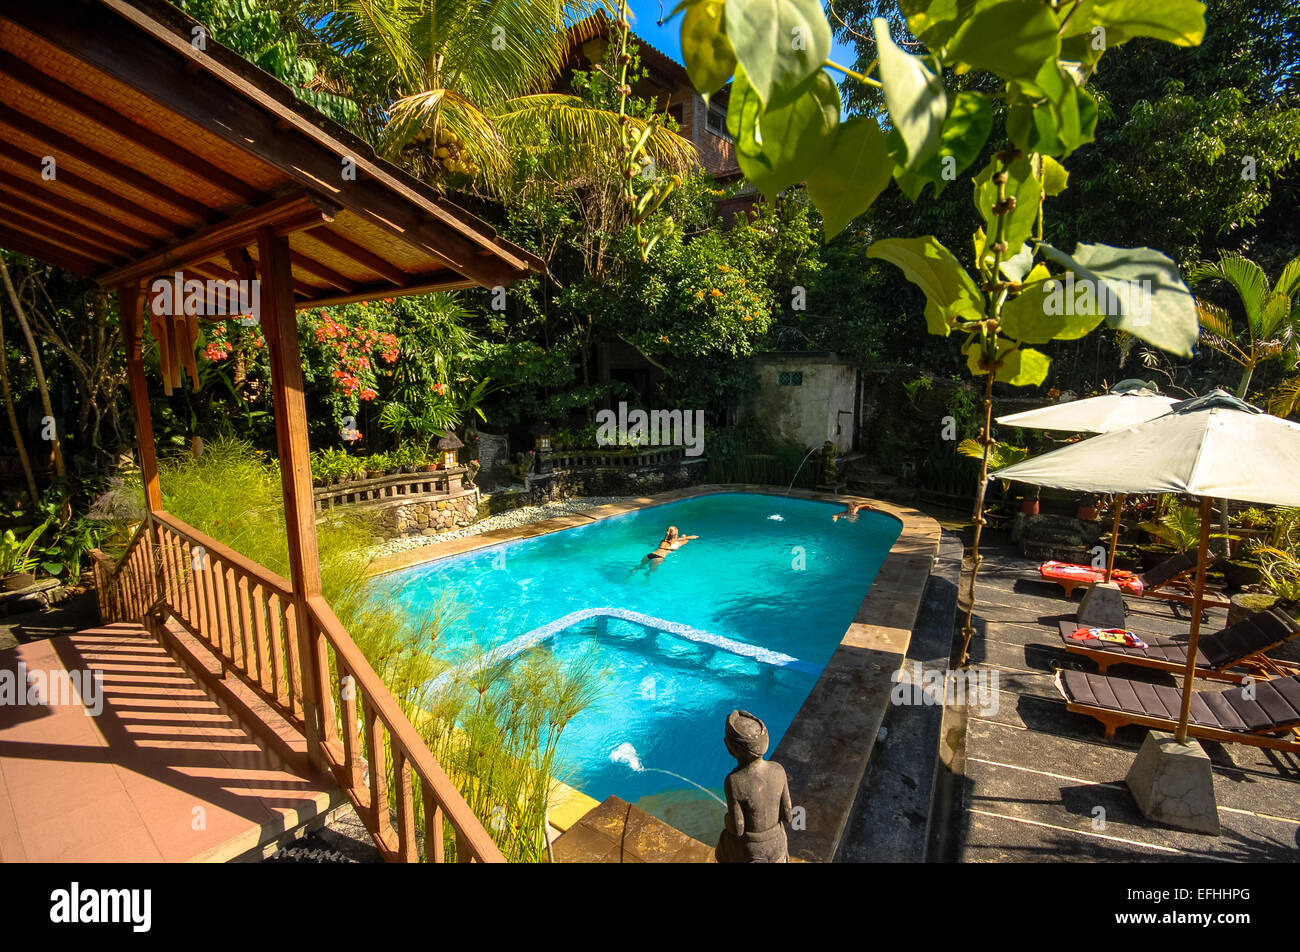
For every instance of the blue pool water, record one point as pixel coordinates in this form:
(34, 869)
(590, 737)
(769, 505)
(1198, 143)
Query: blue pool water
(746, 617)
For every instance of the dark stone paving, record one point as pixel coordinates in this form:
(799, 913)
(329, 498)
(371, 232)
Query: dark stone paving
(1041, 784)
(891, 815)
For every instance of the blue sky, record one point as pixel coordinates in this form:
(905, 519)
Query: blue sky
(667, 38)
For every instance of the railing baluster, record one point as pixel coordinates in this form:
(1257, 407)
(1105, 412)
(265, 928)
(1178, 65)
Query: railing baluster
(406, 846)
(195, 583)
(258, 597)
(226, 645)
(215, 624)
(434, 851)
(351, 736)
(231, 585)
(295, 660)
(378, 770)
(251, 666)
(278, 674)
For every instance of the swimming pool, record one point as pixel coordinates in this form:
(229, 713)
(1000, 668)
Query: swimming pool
(744, 617)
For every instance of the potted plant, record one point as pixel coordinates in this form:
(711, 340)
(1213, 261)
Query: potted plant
(376, 465)
(1029, 502)
(17, 564)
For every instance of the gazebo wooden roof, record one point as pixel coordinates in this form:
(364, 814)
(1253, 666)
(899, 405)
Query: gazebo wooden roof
(170, 157)
(130, 152)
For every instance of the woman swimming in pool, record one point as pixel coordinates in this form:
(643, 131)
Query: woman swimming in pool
(672, 541)
(851, 510)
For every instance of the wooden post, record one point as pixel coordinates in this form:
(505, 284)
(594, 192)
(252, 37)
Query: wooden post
(279, 324)
(128, 299)
(1114, 534)
(1198, 602)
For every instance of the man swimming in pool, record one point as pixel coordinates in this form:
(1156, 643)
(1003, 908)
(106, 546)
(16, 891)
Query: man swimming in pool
(672, 541)
(850, 512)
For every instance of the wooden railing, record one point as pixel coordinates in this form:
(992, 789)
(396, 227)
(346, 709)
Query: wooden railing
(616, 459)
(438, 482)
(298, 658)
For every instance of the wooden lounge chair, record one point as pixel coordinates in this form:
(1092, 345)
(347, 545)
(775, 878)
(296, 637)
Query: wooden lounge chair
(1242, 644)
(1168, 580)
(1270, 719)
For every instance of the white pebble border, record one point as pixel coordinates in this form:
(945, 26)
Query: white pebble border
(505, 520)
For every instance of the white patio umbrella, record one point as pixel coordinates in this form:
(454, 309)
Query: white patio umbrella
(1214, 447)
(1129, 402)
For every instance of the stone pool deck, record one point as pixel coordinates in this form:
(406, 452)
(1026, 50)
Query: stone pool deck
(1026, 781)
(827, 747)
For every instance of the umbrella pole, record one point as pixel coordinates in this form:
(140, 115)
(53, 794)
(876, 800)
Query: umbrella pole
(1189, 673)
(1114, 535)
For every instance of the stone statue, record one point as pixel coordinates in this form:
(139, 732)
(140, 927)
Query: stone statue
(758, 797)
(830, 471)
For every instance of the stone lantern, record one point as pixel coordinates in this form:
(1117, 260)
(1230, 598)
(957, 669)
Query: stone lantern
(448, 446)
(542, 433)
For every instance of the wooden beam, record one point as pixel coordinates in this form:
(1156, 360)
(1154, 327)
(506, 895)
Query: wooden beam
(52, 140)
(54, 235)
(129, 300)
(114, 121)
(280, 328)
(452, 282)
(25, 243)
(358, 254)
(283, 215)
(311, 155)
(71, 226)
(71, 181)
(324, 272)
(40, 197)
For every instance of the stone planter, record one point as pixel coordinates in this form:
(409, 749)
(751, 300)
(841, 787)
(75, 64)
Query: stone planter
(17, 581)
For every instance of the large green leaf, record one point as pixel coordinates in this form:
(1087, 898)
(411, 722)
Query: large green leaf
(1016, 365)
(914, 95)
(779, 42)
(1019, 222)
(706, 51)
(1013, 38)
(1052, 113)
(1181, 22)
(781, 146)
(965, 130)
(933, 22)
(850, 174)
(1041, 312)
(950, 294)
(1145, 295)
(1055, 177)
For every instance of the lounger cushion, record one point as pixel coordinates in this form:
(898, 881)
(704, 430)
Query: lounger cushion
(1168, 569)
(1158, 648)
(1276, 704)
(1222, 649)
(1259, 632)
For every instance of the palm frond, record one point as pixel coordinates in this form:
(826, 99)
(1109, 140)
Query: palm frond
(1284, 401)
(585, 134)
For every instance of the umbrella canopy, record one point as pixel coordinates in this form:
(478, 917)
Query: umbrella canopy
(1129, 403)
(1215, 445)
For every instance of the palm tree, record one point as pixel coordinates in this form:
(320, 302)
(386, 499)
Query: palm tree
(472, 83)
(1272, 320)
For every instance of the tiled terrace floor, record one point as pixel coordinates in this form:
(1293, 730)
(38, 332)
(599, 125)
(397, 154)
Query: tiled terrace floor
(164, 773)
(1035, 773)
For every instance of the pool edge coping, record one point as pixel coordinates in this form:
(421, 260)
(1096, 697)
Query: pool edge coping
(827, 747)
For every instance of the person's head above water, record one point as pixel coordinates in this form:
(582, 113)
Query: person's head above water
(671, 534)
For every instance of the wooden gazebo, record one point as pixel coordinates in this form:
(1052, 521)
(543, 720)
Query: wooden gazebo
(133, 147)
